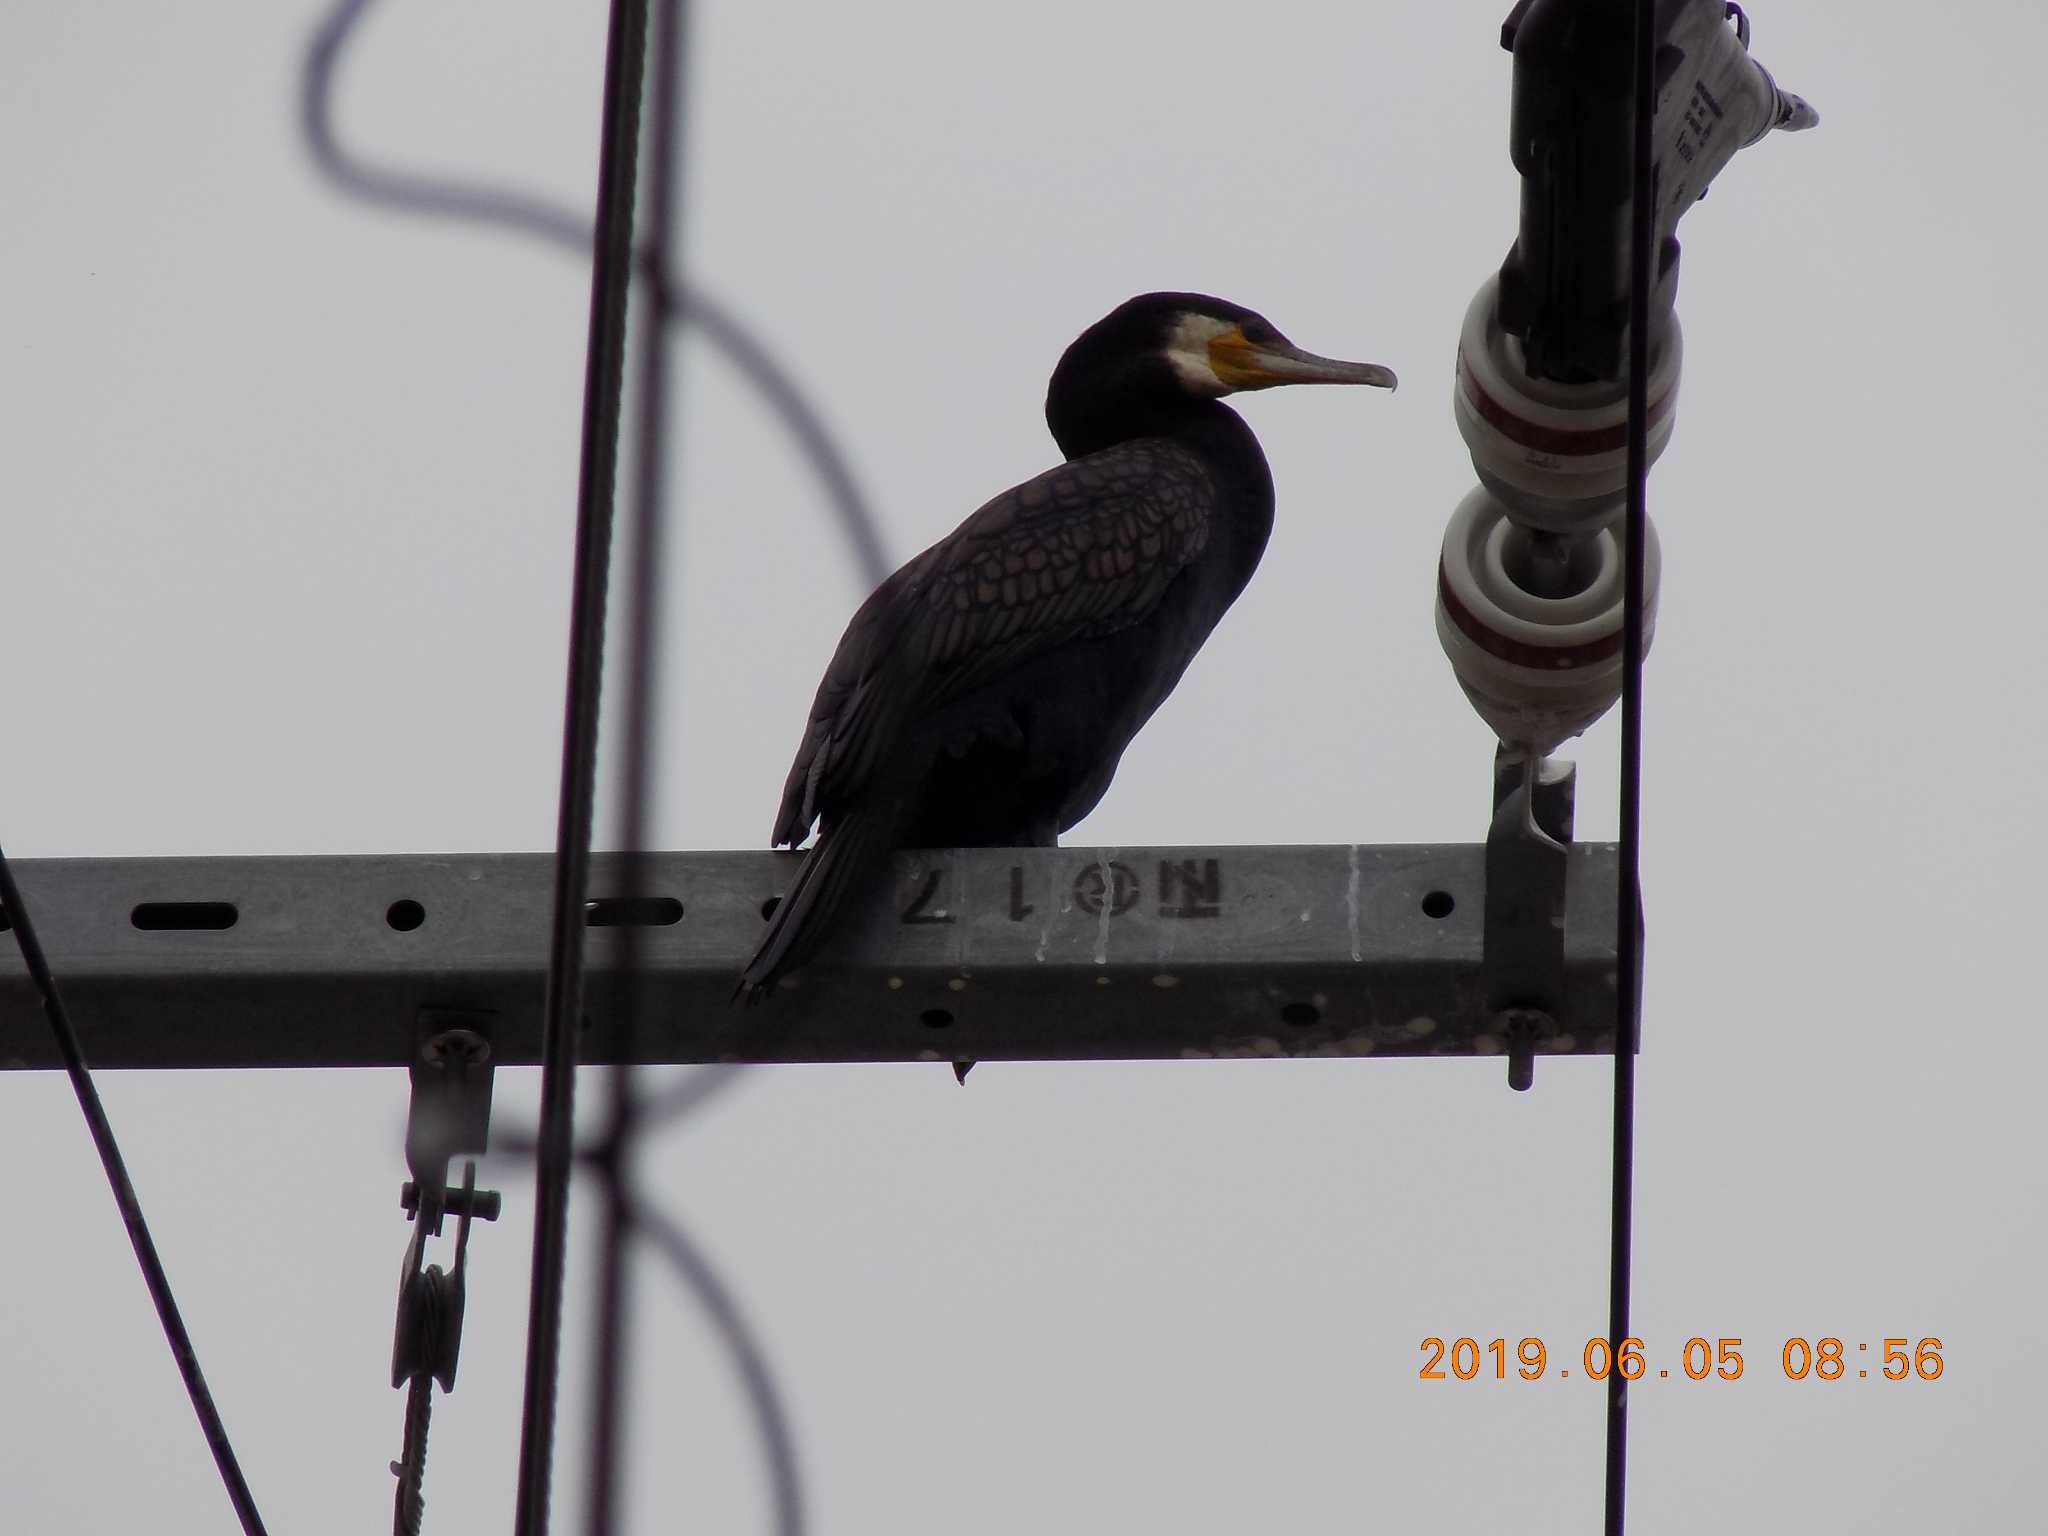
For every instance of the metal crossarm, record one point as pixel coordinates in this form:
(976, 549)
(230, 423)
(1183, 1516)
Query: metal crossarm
(982, 954)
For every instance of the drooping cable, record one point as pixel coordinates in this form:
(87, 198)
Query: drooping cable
(643, 635)
(685, 1095)
(695, 1272)
(173, 1322)
(604, 377)
(771, 1417)
(1629, 923)
(507, 208)
(431, 196)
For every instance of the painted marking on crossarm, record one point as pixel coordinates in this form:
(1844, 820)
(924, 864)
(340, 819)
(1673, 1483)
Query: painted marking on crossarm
(1190, 888)
(920, 909)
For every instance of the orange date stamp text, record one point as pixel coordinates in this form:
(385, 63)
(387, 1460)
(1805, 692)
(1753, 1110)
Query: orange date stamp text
(1700, 1359)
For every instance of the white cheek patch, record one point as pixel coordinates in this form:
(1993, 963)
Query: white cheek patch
(1187, 349)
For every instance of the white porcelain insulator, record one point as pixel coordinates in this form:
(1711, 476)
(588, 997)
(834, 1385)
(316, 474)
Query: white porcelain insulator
(1539, 670)
(1556, 453)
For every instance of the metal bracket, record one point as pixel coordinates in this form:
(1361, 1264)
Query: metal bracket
(1528, 852)
(450, 1114)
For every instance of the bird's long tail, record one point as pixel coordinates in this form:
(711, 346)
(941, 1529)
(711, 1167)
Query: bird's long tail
(841, 867)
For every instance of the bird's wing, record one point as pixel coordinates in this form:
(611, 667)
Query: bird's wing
(1085, 549)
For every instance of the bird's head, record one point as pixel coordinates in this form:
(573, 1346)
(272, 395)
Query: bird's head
(1161, 352)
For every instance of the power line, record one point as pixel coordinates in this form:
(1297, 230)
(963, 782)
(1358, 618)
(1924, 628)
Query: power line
(771, 1418)
(1629, 900)
(685, 1095)
(696, 1273)
(604, 377)
(509, 208)
(667, 299)
(643, 613)
(130, 1204)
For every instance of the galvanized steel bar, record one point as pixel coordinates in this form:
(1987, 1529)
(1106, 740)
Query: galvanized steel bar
(986, 954)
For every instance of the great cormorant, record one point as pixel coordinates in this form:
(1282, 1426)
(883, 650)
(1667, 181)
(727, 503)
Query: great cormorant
(984, 693)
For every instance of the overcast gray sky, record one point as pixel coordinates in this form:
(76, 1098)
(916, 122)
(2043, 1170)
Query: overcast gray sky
(290, 491)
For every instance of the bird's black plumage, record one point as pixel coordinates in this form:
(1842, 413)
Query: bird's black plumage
(983, 695)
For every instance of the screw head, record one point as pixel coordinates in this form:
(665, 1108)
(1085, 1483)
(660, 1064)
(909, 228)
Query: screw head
(463, 1045)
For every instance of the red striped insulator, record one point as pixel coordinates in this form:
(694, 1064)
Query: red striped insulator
(1557, 453)
(1538, 669)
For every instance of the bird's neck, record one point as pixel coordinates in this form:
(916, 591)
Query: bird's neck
(1083, 423)
(1214, 433)
(1209, 428)
(1221, 437)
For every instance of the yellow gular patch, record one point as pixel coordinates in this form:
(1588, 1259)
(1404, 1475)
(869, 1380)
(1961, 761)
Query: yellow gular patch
(1235, 361)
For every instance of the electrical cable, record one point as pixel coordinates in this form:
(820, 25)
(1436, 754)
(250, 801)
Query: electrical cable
(643, 648)
(410, 1505)
(1629, 923)
(663, 1107)
(771, 1418)
(507, 208)
(686, 1094)
(472, 202)
(696, 1274)
(655, 1109)
(130, 1204)
(411, 193)
(603, 384)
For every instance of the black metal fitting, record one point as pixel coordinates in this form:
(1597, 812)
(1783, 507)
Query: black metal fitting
(483, 1204)
(450, 1112)
(1528, 855)
(450, 1115)
(1564, 286)
(428, 1338)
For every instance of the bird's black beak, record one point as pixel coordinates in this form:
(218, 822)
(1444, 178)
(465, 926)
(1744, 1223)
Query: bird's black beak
(1242, 363)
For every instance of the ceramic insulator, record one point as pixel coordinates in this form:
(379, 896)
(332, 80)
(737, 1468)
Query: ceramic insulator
(1539, 670)
(1555, 454)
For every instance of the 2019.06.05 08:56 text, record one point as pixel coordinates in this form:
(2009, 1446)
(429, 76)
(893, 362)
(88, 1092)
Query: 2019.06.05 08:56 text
(1822, 1359)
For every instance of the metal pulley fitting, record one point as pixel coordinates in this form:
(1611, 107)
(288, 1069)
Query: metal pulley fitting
(450, 1114)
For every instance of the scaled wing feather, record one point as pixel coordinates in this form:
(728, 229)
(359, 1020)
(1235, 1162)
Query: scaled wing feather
(1085, 549)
